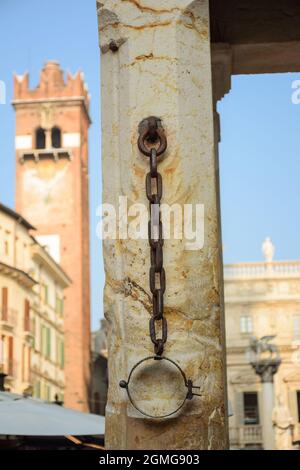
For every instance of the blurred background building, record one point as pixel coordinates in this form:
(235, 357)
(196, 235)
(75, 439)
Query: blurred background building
(100, 373)
(32, 287)
(261, 298)
(52, 192)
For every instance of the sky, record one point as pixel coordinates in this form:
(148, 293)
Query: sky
(259, 151)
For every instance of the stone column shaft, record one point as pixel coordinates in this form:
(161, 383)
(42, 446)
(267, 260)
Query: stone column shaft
(267, 407)
(156, 60)
(266, 369)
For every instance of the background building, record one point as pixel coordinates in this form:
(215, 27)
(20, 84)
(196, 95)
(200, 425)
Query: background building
(100, 373)
(52, 124)
(261, 299)
(31, 317)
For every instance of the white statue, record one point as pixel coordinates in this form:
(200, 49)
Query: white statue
(284, 425)
(268, 250)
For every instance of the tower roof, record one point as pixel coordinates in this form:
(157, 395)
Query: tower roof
(52, 84)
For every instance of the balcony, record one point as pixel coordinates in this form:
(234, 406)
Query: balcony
(249, 436)
(296, 433)
(8, 319)
(262, 270)
(45, 154)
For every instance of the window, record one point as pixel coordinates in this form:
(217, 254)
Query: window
(6, 248)
(43, 340)
(10, 355)
(46, 341)
(251, 413)
(4, 304)
(59, 306)
(25, 364)
(46, 395)
(37, 389)
(26, 315)
(45, 293)
(60, 353)
(2, 348)
(56, 137)
(40, 137)
(298, 404)
(296, 326)
(246, 324)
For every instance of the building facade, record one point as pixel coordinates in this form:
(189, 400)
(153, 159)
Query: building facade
(261, 299)
(32, 287)
(100, 373)
(52, 124)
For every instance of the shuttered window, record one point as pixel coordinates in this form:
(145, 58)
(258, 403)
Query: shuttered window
(26, 315)
(60, 353)
(59, 306)
(46, 341)
(10, 355)
(4, 304)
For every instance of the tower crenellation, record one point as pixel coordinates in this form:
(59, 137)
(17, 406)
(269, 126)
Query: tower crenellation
(52, 84)
(52, 122)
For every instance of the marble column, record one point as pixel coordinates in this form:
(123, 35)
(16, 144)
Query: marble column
(156, 60)
(266, 369)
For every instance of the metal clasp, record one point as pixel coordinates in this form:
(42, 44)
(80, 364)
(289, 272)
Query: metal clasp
(152, 135)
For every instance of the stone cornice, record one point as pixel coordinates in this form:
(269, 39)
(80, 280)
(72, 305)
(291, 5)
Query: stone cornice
(68, 100)
(21, 277)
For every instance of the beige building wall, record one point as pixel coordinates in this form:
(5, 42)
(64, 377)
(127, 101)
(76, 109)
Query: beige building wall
(261, 299)
(48, 307)
(52, 180)
(31, 312)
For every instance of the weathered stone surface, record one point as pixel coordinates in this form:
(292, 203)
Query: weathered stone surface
(162, 68)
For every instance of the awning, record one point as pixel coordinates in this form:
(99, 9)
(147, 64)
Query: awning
(21, 416)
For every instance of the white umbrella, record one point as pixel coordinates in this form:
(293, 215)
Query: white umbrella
(21, 416)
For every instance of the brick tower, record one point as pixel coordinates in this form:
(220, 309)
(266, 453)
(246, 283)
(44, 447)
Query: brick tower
(52, 124)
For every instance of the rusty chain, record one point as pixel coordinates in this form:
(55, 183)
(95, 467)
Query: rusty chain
(153, 143)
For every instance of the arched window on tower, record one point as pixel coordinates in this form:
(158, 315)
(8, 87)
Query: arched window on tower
(40, 137)
(56, 138)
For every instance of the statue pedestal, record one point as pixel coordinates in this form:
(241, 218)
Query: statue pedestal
(266, 369)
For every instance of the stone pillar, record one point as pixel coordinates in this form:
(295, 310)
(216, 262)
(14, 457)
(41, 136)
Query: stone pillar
(266, 369)
(156, 60)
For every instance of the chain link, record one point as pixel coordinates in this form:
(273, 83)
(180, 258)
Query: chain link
(157, 275)
(152, 143)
